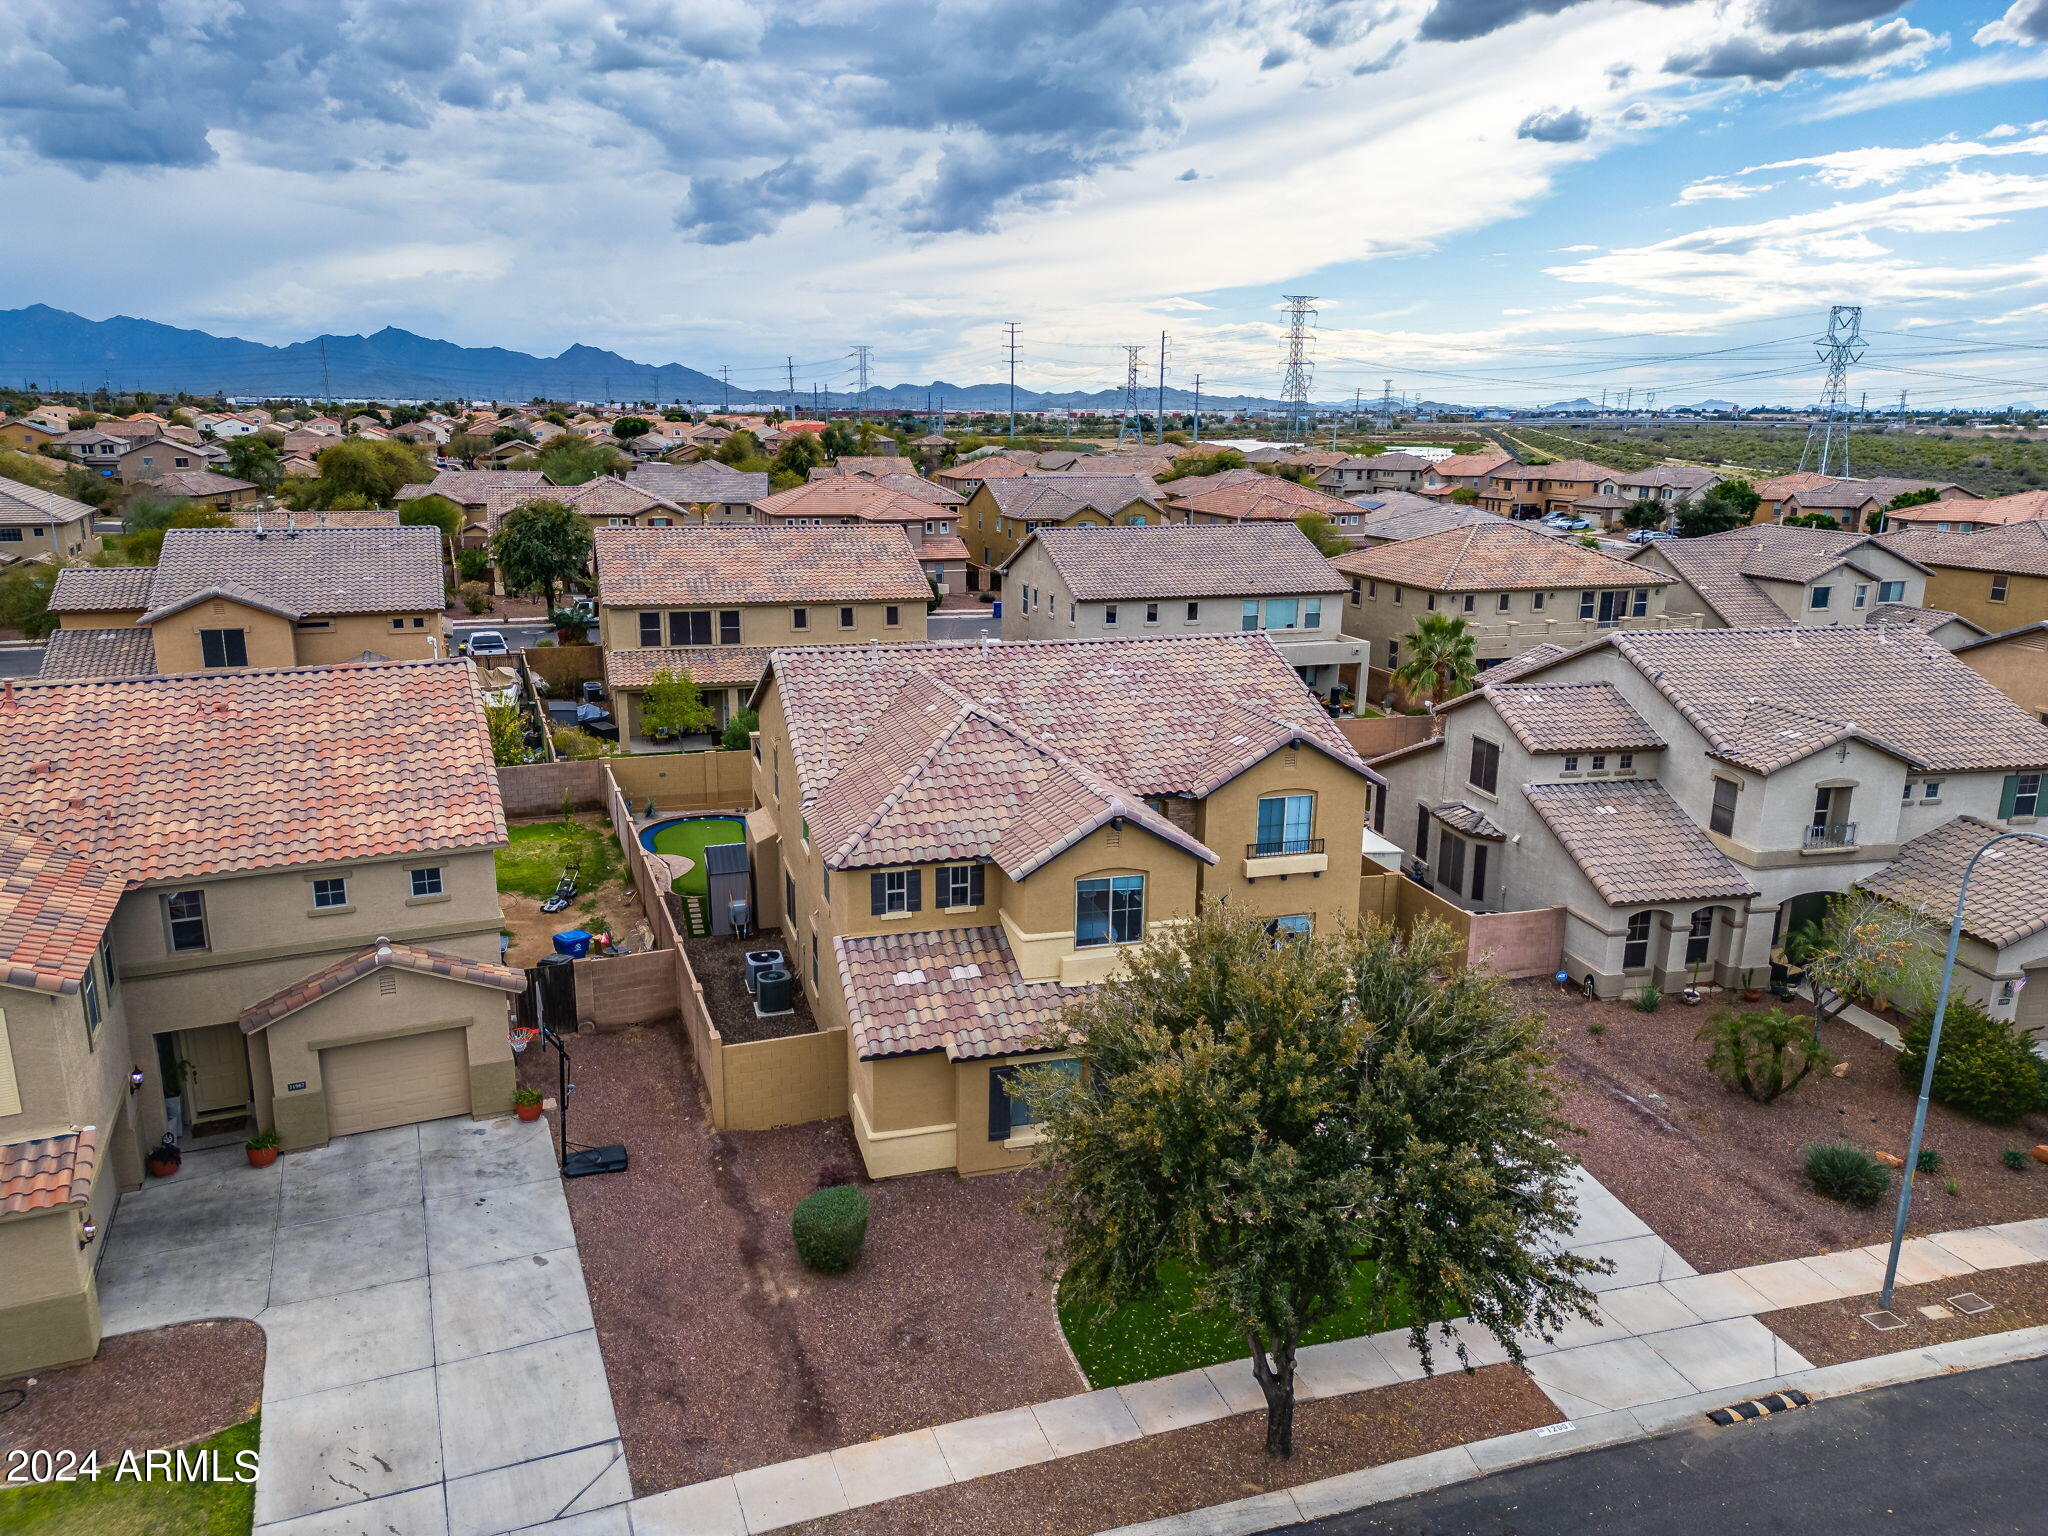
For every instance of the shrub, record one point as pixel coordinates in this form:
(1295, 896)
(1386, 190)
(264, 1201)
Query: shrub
(1929, 1161)
(1986, 1069)
(476, 597)
(525, 1095)
(1647, 999)
(1763, 1053)
(472, 564)
(2014, 1159)
(1843, 1171)
(262, 1140)
(829, 1228)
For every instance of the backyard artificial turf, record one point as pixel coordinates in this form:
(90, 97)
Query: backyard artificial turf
(1164, 1333)
(537, 854)
(689, 839)
(103, 1507)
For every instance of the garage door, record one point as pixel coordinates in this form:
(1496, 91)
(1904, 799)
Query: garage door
(395, 1082)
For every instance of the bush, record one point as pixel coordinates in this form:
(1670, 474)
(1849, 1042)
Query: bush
(1763, 1053)
(1987, 1067)
(829, 1228)
(2014, 1159)
(1929, 1161)
(476, 597)
(1843, 1171)
(1647, 999)
(525, 1095)
(472, 564)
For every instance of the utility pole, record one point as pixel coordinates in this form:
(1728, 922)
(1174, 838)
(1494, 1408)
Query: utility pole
(1129, 424)
(725, 393)
(1294, 381)
(1160, 425)
(1829, 436)
(1902, 402)
(860, 366)
(1198, 408)
(1863, 406)
(789, 364)
(1358, 408)
(1010, 346)
(326, 384)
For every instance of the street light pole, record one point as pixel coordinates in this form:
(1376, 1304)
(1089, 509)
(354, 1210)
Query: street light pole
(1948, 973)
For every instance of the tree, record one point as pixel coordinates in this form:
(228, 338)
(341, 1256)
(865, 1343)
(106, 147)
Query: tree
(253, 459)
(540, 546)
(365, 472)
(673, 705)
(1645, 514)
(511, 435)
(1441, 657)
(1919, 498)
(799, 456)
(567, 459)
(1727, 504)
(433, 512)
(25, 597)
(1322, 533)
(145, 524)
(1763, 1053)
(738, 447)
(467, 446)
(626, 428)
(738, 729)
(508, 734)
(1864, 950)
(1269, 1115)
(1465, 496)
(1810, 520)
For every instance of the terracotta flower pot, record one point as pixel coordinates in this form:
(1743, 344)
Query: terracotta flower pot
(261, 1157)
(161, 1167)
(526, 1111)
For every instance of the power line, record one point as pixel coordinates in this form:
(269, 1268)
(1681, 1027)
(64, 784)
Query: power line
(1294, 382)
(860, 363)
(1160, 424)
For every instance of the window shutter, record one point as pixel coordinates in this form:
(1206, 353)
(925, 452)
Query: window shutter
(999, 1103)
(878, 894)
(10, 1093)
(974, 888)
(2008, 797)
(916, 890)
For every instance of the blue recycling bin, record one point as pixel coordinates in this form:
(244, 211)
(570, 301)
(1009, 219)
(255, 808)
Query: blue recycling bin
(996, 608)
(573, 942)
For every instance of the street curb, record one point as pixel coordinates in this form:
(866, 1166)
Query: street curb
(1464, 1463)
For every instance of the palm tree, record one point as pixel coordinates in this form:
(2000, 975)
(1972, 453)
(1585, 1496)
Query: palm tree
(1441, 657)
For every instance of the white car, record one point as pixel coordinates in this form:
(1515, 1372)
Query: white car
(486, 642)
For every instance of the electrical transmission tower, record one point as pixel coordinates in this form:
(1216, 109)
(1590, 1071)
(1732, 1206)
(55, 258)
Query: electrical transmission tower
(1010, 346)
(789, 363)
(860, 370)
(724, 388)
(1300, 370)
(1129, 425)
(1386, 404)
(1827, 440)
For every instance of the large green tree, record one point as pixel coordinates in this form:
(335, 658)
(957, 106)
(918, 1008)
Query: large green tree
(673, 705)
(626, 428)
(567, 459)
(1322, 533)
(1726, 504)
(1267, 1115)
(25, 597)
(540, 547)
(1439, 657)
(254, 459)
(361, 472)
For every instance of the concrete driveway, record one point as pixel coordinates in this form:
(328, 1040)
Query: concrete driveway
(432, 1369)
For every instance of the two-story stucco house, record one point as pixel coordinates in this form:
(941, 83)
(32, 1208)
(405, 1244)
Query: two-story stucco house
(1514, 588)
(1536, 490)
(36, 524)
(956, 841)
(1688, 796)
(1001, 512)
(1771, 574)
(219, 599)
(711, 602)
(1105, 583)
(1997, 578)
(928, 514)
(718, 492)
(230, 902)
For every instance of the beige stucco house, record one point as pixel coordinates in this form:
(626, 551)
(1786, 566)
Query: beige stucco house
(1997, 578)
(1771, 574)
(36, 524)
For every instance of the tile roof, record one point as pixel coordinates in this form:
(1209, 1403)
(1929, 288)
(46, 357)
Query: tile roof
(941, 546)
(1765, 698)
(699, 483)
(845, 496)
(920, 488)
(1572, 717)
(496, 491)
(2017, 549)
(1780, 486)
(1635, 843)
(54, 911)
(279, 521)
(2038, 629)
(1397, 523)
(871, 464)
(48, 1171)
(71, 653)
(1217, 560)
(1271, 498)
(1470, 820)
(311, 570)
(1563, 469)
(956, 990)
(1403, 462)
(1526, 661)
(2008, 890)
(1493, 556)
(711, 666)
(1061, 496)
(24, 506)
(199, 482)
(163, 778)
(1926, 620)
(1471, 464)
(102, 589)
(609, 496)
(382, 955)
(679, 567)
(1689, 477)
(1012, 751)
(1995, 511)
(991, 468)
(1723, 568)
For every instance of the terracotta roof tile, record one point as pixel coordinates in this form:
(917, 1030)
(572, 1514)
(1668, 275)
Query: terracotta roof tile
(708, 665)
(1724, 568)
(1470, 820)
(957, 990)
(383, 955)
(2022, 507)
(680, 567)
(1573, 717)
(845, 496)
(102, 588)
(1635, 843)
(1269, 498)
(54, 911)
(26, 505)
(198, 482)
(48, 1171)
(699, 484)
(1494, 556)
(2017, 549)
(72, 653)
(312, 570)
(1060, 496)
(2008, 891)
(1214, 560)
(1392, 522)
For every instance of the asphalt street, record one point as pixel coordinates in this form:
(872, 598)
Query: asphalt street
(1961, 1455)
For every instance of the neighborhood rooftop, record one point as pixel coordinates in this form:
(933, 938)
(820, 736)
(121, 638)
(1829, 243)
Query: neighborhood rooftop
(308, 571)
(678, 567)
(1107, 563)
(1494, 556)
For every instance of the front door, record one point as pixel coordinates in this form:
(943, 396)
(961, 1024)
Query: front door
(216, 1071)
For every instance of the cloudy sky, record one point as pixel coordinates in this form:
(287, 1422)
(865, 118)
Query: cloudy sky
(1514, 200)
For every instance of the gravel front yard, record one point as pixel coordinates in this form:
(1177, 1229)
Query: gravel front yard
(1720, 1177)
(723, 1351)
(143, 1391)
(1829, 1332)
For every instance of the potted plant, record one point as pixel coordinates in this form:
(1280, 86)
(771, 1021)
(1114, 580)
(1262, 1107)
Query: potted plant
(526, 1103)
(262, 1149)
(164, 1158)
(1692, 996)
(1751, 992)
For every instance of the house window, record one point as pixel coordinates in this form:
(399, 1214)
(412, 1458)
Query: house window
(1355, 584)
(185, 920)
(1635, 950)
(1397, 594)
(1372, 589)
(1484, 773)
(1536, 602)
(1450, 861)
(1471, 602)
(10, 535)
(650, 629)
(1722, 818)
(1248, 617)
(2022, 796)
(789, 893)
(894, 890)
(1639, 602)
(689, 629)
(1699, 936)
(959, 885)
(1998, 585)
(1312, 613)
(1931, 790)
(89, 996)
(1109, 613)
(1599, 762)
(892, 615)
(1501, 603)
(846, 618)
(427, 882)
(1297, 925)
(223, 648)
(1194, 612)
(1587, 603)
(1862, 593)
(1626, 762)
(1822, 596)
(398, 623)
(1394, 654)
(1891, 591)
(330, 893)
(1571, 762)
(799, 618)
(1007, 1115)
(1422, 832)
(1286, 823)
(1151, 613)
(729, 626)
(1109, 909)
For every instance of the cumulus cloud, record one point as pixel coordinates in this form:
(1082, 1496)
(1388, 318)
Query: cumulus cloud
(1751, 56)
(723, 210)
(2025, 21)
(1785, 16)
(1456, 21)
(1555, 125)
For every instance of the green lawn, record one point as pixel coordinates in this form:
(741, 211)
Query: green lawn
(690, 839)
(538, 854)
(1165, 1334)
(108, 1508)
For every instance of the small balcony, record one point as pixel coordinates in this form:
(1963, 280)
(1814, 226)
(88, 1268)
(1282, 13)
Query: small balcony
(1834, 834)
(1284, 857)
(1280, 847)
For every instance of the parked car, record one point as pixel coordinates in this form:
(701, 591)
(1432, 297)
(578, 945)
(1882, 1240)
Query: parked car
(1649, 536)
(1563, 524)
(486, 642)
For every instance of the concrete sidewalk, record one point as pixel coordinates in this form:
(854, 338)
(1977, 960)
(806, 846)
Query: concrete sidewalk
(431, 1367)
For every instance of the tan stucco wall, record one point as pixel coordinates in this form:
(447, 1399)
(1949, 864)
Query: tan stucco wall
(116, 619)
(2017, 668)
(267, 636)
(396, 635)
(73, 541)
(1228, 821)
(774, 624)
(1497, 633)
(1968, 593)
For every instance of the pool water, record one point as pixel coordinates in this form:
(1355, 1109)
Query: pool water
(689, 836)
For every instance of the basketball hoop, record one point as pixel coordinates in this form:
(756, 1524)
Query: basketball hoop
(521, 1038)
